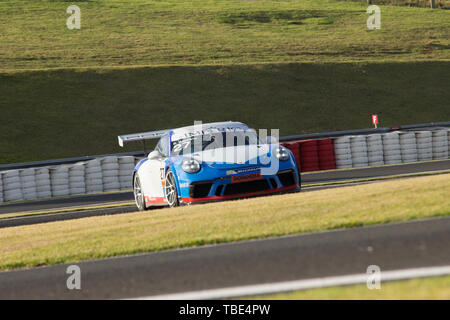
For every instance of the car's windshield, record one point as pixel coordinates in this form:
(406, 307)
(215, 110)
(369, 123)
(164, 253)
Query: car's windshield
(213, 141)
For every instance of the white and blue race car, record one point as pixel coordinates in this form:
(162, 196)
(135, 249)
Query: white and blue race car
(210, 162)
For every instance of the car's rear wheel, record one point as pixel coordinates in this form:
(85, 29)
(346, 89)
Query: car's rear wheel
(171, 189)
(138, 193)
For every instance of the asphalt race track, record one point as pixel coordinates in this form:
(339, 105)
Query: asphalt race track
(315, 178)
(418, 243)
(374, 172)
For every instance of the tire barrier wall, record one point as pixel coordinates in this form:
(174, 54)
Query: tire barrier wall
(1, 189)
(375, 153)
(93, 176)
(343, 153)
(440, 144)
(327, 160)
(313, 154)
(110, 173)
(370, 150)
(114, 173)
(309, 155)
(126, 165)
(391, 148)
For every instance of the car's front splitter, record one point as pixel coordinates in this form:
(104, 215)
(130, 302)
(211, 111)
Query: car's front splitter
(189, 200)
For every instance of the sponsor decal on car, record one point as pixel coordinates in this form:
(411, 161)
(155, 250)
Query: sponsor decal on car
(238, 171)
(246, 177)
(150, 200)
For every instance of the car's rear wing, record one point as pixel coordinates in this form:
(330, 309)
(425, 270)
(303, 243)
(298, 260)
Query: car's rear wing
(141, 136)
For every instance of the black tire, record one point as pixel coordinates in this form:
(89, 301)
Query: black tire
(170, 188)
(138, 194)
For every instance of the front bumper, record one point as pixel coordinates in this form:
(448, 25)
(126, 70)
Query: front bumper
(224, 188)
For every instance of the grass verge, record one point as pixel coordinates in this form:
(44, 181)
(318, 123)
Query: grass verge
(435, 288)
(65, 113)
(107, 236)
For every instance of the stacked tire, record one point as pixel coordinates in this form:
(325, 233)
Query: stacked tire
(408, 147)
(440, 144)
(327, 159)
(424, 141)
(28, 183)
(309, 156)
(43, 185)
(1, 187)
(448, 136)
(12, 188)
(110, 173)
(358, 147)
(375, 155)
(343, 152)
(77, 184)
(93, 176)
(391, 148)
(448, 141)
(126, 167)
(59, 179)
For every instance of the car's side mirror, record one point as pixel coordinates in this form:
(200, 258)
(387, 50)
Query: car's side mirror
(154, 155)
(271, 140)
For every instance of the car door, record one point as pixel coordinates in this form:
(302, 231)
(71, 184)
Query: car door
(154, 172)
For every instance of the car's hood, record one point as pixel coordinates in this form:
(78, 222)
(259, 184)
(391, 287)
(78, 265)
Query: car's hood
(235, 156)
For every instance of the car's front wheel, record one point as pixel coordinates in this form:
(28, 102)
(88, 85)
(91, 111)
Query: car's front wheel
(138, 193)
(171, 189)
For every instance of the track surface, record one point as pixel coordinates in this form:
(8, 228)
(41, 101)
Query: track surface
(50, 217)
(374, 172)
(394, 246)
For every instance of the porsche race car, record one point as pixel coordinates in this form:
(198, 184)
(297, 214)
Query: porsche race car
(210, 162)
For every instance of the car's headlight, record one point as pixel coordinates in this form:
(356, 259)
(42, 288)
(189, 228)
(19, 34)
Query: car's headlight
(281, 153)
(190, 165)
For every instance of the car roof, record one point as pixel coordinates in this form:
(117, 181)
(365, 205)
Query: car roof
(187, 131)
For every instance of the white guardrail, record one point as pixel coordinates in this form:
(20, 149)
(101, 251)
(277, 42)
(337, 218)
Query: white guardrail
(114, 173)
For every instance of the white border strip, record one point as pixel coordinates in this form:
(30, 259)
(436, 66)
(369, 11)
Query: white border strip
(261, 289)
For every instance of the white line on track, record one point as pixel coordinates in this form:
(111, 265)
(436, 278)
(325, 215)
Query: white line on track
(269, 288)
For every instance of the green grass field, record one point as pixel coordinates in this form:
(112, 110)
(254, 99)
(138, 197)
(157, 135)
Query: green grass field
(162, 229)
(138, 65)
(436, 288)
(173, 32)
(63, 113)
(439, 4)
